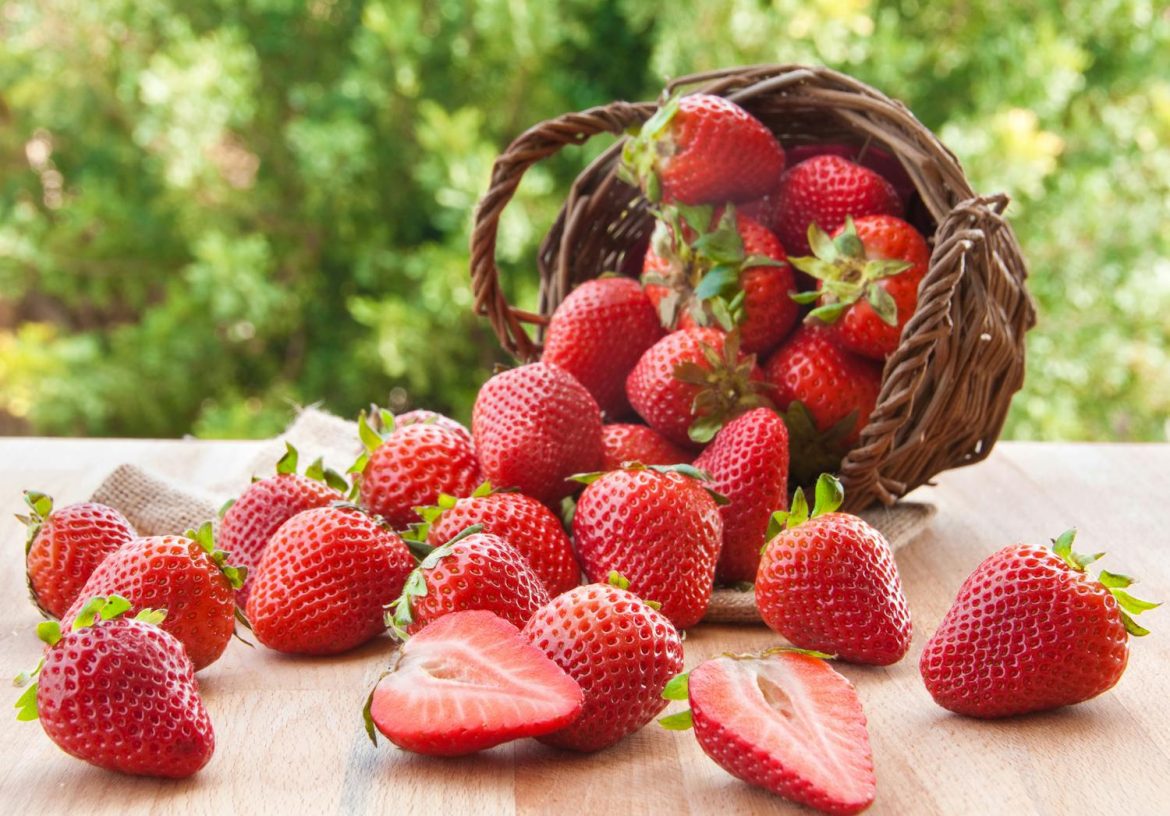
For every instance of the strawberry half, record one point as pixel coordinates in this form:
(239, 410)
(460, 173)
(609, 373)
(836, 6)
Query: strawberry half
(784, 721)
(702, 149)
(1031, 630)
(467, 682)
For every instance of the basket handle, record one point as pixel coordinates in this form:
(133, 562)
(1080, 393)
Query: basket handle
(537, 143)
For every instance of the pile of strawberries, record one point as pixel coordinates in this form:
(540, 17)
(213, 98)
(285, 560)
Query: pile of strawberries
(539, 568)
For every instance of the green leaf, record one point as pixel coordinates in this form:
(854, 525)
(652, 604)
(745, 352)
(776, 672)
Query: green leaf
(370, 438)
(287, 463)
(114, 606)
(368, 717)
(227, 505)
(777, 523)
(1062, 546)
(697, 217)
(49, 632)
(829, 495)
(848, 243)
(484, 489)
(88, 613)
(40, 503)
(829, 312)
(586, 478)
(760, 260)
(681, 721)
(804, 298)
(26, 704)
(1114, 580)
(157, 616)
(618, 580)
(883, 304)
(1132, 605)
(1133, 627)
(719, 280)
(885, 268)
(677, 687)
(692, 373)
(684, 468)
(704, 428)
(821, 243)
(722, 313)
(798, 511)
(387, 421)
(336, 480)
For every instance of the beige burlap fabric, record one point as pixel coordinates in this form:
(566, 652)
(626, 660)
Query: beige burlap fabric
(156, 504)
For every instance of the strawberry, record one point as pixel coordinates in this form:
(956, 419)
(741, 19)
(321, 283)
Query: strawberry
(526, 524)
(64, 546)
(867, 275)
(827, 395)
(474, 570)
(706, 267)
(638, 443)
(692, 381)
(828, 582)
(658, 528)
(598, 333)
(1031, 630)
(324, 580)
(748, 464)
(185, 575)
(467, 682)
(701, 149)
(867, 155)
(119, 693)
(403, 468)
(420, 416)
(619, 650)
(824, 190)
(782, 720)
(249, 521)
(535, 426)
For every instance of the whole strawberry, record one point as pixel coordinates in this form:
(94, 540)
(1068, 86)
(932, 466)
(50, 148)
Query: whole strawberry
(403, 468)
(693, 381)
(748, 465)
(702, 149)
(421, 416)
(868, 155)
(64, 546)
(638, 443)
(324, 580)
(120, 693)
(1031, 630)
(526, 524)
(656, 526)
(867, 275)
(782, 720)
(829, 582)
(708, 268)
(535, 426)
(827, 395)
(622, 675)
(825, 190)
(249, 521)
(598, 333)
(185, 575)
(474, 570)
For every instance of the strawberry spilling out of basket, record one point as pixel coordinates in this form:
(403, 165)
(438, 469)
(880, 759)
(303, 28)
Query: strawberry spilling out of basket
(537, 569)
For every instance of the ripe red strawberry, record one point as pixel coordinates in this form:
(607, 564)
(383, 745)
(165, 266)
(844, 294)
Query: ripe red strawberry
(324, 581)
(638, 443)
(535, 426)
(867, 275)
(705, 268)
(702, 149)
(598, 333)
(748, 464)
(467, 682)
(784, 721)
(824, 190)
(691, 382)
(867, 155)
(64, 546)
(1031, 630)
(249, 521)
(618, 649)
(827, 395)
(474, 570)
(185, 575)
(829, 582)
(420, 416)
(526, 524)
(403, 468)
(120, 693)
(656, 527)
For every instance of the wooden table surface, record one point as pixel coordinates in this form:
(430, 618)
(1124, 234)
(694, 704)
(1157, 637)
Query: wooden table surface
(289, 734)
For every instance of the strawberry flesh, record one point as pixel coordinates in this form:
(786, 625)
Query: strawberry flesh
(470, 681)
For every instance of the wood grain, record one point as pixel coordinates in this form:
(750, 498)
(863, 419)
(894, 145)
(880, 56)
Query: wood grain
(290, 738)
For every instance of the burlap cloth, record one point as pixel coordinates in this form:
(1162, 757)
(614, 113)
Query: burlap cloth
(158, 504)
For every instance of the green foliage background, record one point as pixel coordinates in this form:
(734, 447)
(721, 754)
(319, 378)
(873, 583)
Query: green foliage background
(211, 210)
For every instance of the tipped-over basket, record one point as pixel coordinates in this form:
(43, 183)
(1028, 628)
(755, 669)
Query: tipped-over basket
(945, 390)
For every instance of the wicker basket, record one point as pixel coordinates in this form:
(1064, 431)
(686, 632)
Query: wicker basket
(945, 390)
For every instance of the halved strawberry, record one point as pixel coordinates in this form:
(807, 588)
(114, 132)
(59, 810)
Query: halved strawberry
(467, 682)
(783, 720)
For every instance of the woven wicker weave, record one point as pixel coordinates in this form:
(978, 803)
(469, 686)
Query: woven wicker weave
(947, 387)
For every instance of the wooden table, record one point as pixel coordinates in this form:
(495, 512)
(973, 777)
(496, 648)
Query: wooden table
(290, 737)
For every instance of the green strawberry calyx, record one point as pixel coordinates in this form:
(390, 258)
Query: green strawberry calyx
(828, 496)
(725, 388)
(418, 532)
(646, 149)
(684, 469)
(400, 614)
(847, 275)
(99, 607)
(205, 538)
(40, 505)
(619, 581)
(372, 433)
(1116, 583)
(287, 465)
